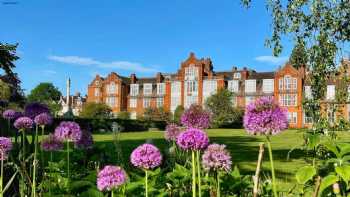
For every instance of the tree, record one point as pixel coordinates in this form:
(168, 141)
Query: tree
(299, 55)
(223, 112)
(5, 92)
(7, 57)
(96, 110)
(48, 94)
(124, 115)
(178, 113)
(156, 114)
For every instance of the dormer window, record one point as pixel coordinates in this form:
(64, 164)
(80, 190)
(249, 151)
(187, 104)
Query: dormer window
(237, 75)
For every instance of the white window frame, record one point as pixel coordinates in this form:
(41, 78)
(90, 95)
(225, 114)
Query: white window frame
(191, 72)
(97, 92)
(175, 95)
(250, 86)
(330, 92)
(292, 117)
(111, 101)
(288, 100)
(308, 92)
(160, 102)
(237, 75)
(147, 89)
(133, 103)
(233, 86)
(268, 85)
(133, 115)
(134, 89)
(160, 88)
(146, 102)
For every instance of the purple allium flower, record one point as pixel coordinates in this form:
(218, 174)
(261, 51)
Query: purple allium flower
(216, 158)
(146, 156)
(33, 109)
(171, 132)
(51, 143)
(23, 123)
(68, 130)
(265, 116)
(86, 141)
(111, 177)
(43, 119)
(196, 117)
(192, 139)
(5, 147)
(18, 115)
(9, 114)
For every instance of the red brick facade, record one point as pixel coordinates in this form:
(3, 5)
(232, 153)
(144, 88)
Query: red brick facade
(195, 81)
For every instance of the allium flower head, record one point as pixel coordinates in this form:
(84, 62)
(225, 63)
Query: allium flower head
(146, 156)
(265, 116)
(43, 119)
(196, 117)
(193, 139)
(5, 147)
(68, 130)
(216, 158)
(33, 109)
(9, 114)
(86, 141)
(51, 143)
(171, 132)
(111, 177)
(23, 123)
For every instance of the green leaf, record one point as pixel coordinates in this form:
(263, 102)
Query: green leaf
(343, 172)
(313, 140)
(333, 148)
(327, 181)
(92, 193)
(305, 174)
(344, 148)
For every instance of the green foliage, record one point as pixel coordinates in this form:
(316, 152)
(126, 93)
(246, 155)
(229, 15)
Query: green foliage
(156, 114)
(96, 110)
(5, 92)
(299, 55)
(305, 174)
(123, 115)
(178, 113)
(223, 112)
(48, 94)
(7, 58)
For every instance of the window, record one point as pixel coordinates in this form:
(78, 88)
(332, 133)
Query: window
(134, 89)
(308, 93)
(160, 102)
(307, 119)
(249, 99)
(330, 92)
(133, 115)
(147, 89)
(268, 85)
(175, 95)
(111, 88)
(97, 83)
(287, 83)
(292, 117)
(250, 86)
(133, 103)
(192, 87)
(97, 92)
(111, 101)
(288, 99)
(146, 102)
(237, 75)
(209, 88)
(191, 73)
(233, 86)
(160, 88)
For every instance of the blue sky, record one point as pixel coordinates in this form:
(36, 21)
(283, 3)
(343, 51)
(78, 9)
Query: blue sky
(78, 39)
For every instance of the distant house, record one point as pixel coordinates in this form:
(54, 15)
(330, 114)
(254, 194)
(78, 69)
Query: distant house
(71, 103)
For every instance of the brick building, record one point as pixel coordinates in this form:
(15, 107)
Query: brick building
(196, 80)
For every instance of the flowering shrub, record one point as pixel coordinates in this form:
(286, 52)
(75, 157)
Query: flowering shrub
(5, 147)
(51, 143)
(9, 114)
(196, 117)
(33, 109)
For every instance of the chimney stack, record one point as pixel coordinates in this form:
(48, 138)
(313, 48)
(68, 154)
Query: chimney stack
(133, 78)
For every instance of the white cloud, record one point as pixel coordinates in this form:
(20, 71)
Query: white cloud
(86, 61)
(272, 59)
(49, 72)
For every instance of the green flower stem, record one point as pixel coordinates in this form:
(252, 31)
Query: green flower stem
(51, 160)
(199, 174)
(218, 186)
(2, 176)
(35, 162)
(112, 193)
(272, 167)
(193, 175)
(68, 170)
(22, 185)
(42, 152)
(146, 183)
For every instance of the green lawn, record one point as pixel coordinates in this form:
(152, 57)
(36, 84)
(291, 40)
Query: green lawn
(243, 148)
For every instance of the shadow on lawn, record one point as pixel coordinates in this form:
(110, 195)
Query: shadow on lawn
(244, 152)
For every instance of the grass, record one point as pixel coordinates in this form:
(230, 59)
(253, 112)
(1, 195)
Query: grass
(243, 147)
